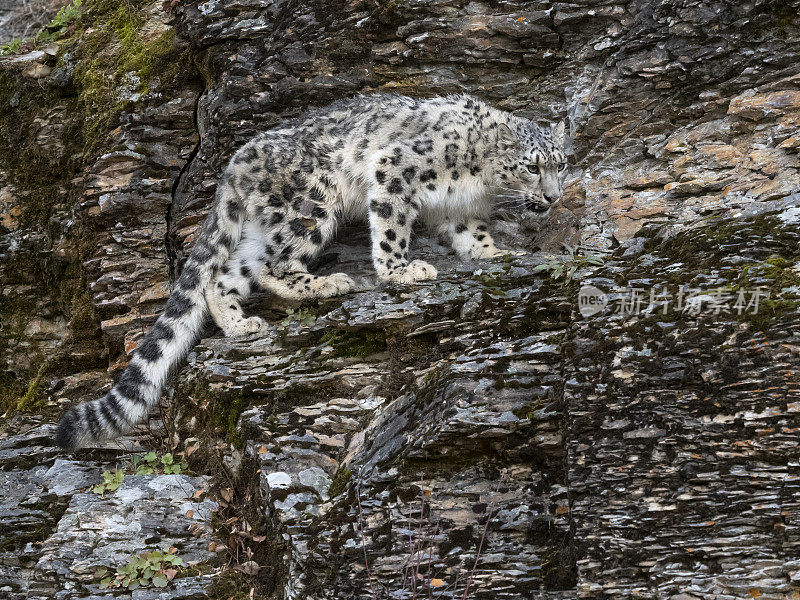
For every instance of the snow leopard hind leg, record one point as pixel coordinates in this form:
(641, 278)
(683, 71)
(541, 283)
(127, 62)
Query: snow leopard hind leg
(273, 255)
(309, 223)
(225, 295)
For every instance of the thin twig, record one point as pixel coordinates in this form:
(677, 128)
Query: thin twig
(430, 562)
(405, 566)
(420, 538)
(363, 542)
(477, 556)
(483, 536)
(455, 586)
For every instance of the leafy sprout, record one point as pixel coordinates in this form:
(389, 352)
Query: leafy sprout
(111, 482)
(65, 17)
(54, 30)
(153, 463)
(303, 316)
(155, 568)
(565, 269)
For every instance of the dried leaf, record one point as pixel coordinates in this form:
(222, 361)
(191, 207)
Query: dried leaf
(227, 494)
(437, 583)
(259, 538)
(170, 573)
(262, 450)
(190, 450)
(199, 493)
(189, 514)
(250, 567)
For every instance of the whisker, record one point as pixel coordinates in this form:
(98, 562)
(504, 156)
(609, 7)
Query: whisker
(508, 196)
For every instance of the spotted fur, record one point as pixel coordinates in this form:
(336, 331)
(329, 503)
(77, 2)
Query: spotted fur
(390, 160)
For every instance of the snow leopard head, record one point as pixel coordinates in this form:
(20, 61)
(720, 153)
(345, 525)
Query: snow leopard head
(531, 164)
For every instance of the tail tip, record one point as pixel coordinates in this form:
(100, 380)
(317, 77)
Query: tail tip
(67, 432)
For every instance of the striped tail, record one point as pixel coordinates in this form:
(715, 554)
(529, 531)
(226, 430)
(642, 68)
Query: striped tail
(168, 341)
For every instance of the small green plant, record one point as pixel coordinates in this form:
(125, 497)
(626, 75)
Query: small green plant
(65, 17)
(153, 463)
(54, 30)
(111, 482)
(155, 568)
(566, 268)
(302, 316)
(11, 47)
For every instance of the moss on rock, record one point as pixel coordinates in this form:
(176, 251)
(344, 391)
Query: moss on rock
(51, 129)
(213, 412)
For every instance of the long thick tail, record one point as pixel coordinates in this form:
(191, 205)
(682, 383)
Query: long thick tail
(170, 338)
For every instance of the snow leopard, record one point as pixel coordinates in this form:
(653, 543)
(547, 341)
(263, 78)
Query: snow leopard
(388, 160)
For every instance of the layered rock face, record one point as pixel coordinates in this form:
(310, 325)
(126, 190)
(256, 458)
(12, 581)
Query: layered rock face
(477, 436)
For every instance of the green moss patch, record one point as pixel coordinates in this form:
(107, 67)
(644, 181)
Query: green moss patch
(40, 176)
(214, 412)
(356, 343)
(115, 64)
(339, 483)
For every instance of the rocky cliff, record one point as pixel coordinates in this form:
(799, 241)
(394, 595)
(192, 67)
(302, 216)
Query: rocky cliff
(478, 436)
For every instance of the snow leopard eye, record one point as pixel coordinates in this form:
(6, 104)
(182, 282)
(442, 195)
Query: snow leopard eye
(562, 166)
(533, 169)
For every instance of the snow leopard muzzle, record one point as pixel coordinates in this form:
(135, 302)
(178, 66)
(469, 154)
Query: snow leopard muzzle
(537, 204)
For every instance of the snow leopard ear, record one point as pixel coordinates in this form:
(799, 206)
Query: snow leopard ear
(506, 138)
(558, 130)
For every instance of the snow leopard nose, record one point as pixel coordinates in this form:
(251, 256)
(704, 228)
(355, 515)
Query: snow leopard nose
(550, 199)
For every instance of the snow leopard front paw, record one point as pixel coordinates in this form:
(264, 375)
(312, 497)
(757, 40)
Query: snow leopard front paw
(416, 270)
(244, 327)
(336, 284)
